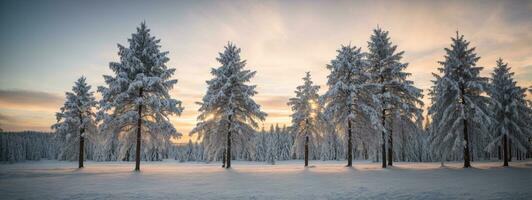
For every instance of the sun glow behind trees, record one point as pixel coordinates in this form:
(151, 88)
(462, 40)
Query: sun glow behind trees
(368, 94)
(368, 98)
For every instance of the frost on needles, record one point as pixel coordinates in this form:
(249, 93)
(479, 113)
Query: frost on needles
(76, 122)
(509, 107)
(460, 109)
(136, 104)
(398, 99)
(349, 98)
(305, 121)
(228, 113)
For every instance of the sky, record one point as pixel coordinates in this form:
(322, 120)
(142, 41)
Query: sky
(47, 45)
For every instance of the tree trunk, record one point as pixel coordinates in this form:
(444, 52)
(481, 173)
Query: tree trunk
(467, 162)
(306, 151)
(81, 148)
(335, 154)
(383, 139)
(81, 143)
(139, 126)
(228, 154)
(349, 145)
(365, 152)
(505, 150)
(441, 160)
(126, 158)
(383, 122)
(403, 148)
(390, 148)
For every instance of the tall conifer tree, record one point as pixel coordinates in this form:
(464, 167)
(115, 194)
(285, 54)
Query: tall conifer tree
(399, 98)
(136, 103)
(305, 115)
(459, 107)
(349, 96)
(510, 111)
(75, 121)
(228, 113)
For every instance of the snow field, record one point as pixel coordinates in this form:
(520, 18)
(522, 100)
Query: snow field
(254, 180)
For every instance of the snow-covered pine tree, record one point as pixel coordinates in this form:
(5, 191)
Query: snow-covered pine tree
(228, 114)
(349, 96)
(511, 114)
(198, 151)
(305, 110)
(76, 121)
(260, 145)
(136, 101)
(398, 97)
(271, 153)
(189, 152)
(459, 108)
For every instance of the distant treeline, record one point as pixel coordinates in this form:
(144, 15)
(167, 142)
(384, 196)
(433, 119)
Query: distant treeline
(269, 146)
(27, 145)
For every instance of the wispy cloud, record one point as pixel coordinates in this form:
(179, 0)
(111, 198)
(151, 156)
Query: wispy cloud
(272, 101)
(29, 100)
(28, 110)
(27, 121)
(279, 39)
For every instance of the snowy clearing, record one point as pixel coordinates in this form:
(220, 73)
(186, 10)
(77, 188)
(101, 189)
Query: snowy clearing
(253, 180)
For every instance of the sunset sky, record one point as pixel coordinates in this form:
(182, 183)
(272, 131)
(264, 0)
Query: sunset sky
(47, 45)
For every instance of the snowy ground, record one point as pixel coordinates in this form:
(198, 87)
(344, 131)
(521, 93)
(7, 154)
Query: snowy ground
(251, 180)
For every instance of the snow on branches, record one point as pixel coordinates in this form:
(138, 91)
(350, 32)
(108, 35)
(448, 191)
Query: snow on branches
(460, 111)
(75, 120)
(228, 113)
(137, 98)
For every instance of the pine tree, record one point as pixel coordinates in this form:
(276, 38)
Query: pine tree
(305, 114)
(399, 98)
(510, 111)
(260, 145)
(189, 153)
(228, 114)
(349, 96)
(75, 121)
(136, 101)
(271, 153)
(459, 110)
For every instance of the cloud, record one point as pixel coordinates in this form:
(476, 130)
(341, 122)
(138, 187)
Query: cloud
(29, 100)
(18, 122)
(5, 118)
(279, 114)
(279, 39)
(525, 74)
(28, 110)
(272, 101)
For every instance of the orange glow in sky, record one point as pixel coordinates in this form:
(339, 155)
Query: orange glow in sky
(48, 47)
